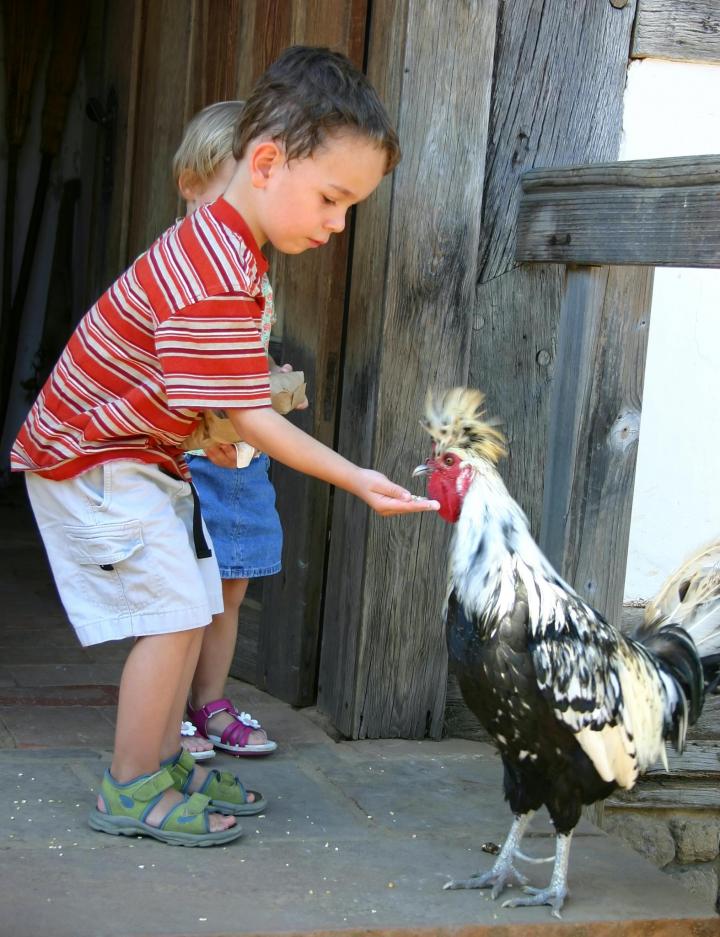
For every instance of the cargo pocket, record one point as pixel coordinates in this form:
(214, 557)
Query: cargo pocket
(100, 555)
(104, 545)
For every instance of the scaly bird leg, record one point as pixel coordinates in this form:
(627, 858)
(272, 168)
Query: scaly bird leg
(556, 892)
(503, 872)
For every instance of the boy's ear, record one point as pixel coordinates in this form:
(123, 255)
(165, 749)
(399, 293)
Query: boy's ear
(263, 159)
(188, 185)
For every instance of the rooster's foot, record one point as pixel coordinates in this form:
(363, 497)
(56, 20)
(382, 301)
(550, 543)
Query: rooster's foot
(555, 897)
(556, 892)
(502, 874)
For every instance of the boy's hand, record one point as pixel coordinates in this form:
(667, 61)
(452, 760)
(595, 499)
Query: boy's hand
(224, 455)
(387, 498)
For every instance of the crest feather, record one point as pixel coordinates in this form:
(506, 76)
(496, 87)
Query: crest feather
(456, 420)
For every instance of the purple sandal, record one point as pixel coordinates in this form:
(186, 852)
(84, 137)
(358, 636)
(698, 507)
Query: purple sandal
(234, 737)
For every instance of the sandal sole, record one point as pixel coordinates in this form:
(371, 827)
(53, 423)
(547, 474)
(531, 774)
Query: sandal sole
(202, 756)
(128, 826)
(244, 751)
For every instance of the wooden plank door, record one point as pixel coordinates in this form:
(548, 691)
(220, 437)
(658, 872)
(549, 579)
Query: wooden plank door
(383, 661)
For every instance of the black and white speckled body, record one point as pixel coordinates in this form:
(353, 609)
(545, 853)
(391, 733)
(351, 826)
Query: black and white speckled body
(548, 678)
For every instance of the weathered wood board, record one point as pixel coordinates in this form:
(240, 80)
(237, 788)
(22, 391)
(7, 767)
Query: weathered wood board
(549, 57)
(159, 121)
(595, 428)
(569, 52)
(663, 212)
(684, 30)
(310, 300)
(108, 239)
(383, 663)
(560, 71)
(670, 794)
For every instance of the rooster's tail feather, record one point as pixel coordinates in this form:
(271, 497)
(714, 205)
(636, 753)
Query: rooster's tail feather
(677, 656)
(690, 598)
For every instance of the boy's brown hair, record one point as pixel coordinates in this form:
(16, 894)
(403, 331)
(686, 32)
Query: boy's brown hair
(307, 94)
(207, 141)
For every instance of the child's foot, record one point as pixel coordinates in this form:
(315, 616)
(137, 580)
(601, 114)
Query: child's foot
(194, 743)
(221, 721)
(200, 776)
(230, 730)
(171, 797)
(226, 792)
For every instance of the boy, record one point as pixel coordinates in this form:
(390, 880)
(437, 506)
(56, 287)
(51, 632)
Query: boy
(176, 334)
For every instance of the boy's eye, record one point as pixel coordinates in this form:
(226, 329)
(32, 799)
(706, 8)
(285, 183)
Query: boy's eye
(328, 201)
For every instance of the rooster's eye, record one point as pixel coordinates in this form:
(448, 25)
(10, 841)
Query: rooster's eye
(449, 460)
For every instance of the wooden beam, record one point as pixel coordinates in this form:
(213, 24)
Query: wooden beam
(594, 430)
(684, 30)
(663, 212)
(384, 663)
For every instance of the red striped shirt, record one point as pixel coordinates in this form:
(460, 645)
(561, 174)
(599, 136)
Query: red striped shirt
(177, 333)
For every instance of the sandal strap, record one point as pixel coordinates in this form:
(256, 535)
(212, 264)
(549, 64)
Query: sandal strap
(237, 733)
(223, 786)
(192, 809)
(200, 716)
(181, 768)
(145, 788)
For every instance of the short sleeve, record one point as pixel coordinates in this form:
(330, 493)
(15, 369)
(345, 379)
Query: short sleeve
(212, 355)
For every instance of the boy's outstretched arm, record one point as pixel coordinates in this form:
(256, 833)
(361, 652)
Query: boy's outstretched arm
(281, 440)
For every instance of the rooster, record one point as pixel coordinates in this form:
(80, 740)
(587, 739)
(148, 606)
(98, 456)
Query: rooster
(576, 708)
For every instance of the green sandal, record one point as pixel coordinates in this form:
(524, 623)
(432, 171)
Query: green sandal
(127, 806)
(225, 791)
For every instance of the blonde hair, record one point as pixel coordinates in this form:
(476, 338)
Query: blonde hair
(207, 141)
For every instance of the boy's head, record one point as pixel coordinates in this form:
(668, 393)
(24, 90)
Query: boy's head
(308, 94)
(204, 163)
(313, 139)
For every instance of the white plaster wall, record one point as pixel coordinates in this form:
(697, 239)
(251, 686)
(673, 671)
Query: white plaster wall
(673, 109)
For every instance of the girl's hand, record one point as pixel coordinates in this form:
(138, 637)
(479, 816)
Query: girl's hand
(386, 498)
(224, 455)
(286, 369)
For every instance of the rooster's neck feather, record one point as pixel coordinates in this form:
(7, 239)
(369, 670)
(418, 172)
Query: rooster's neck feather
(493, 552)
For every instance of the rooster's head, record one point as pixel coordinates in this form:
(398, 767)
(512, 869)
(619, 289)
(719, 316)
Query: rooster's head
(463, 441)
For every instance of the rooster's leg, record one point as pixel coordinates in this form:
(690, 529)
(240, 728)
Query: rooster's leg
(503, 872)
(557, 890)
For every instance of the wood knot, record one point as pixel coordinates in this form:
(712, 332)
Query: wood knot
(625, 431)
(560, 240)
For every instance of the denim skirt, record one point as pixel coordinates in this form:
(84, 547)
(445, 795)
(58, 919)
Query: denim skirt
(238, 507)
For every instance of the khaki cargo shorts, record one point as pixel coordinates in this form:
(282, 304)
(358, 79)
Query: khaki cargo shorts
(120, 542)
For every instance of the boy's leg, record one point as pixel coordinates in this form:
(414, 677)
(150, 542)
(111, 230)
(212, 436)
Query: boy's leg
(149, 688)
(152, 703)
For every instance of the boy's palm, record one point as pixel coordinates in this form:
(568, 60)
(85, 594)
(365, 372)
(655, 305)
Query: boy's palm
(387, 498)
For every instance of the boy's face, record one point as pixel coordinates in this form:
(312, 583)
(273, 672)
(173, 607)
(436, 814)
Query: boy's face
(300, 204)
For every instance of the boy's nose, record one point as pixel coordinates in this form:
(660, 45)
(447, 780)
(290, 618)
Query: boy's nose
(336, 225)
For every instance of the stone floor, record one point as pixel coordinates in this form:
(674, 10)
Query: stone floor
(358, 838)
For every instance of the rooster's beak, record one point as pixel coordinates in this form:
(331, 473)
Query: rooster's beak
(424, 469)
